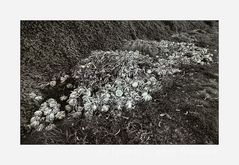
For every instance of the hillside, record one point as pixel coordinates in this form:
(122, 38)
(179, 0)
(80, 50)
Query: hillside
(51, 48)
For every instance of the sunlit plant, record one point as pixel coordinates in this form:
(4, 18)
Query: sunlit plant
(117, 80)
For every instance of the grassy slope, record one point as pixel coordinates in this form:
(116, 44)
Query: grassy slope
(48, 48)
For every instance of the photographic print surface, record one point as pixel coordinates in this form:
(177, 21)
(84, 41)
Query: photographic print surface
(119, 82)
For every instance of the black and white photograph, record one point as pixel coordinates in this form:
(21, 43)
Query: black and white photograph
(119, 82)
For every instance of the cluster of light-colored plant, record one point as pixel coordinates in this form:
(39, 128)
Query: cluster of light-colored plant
(48, 112)
(174, 52)
(113, 81)
(185, 37)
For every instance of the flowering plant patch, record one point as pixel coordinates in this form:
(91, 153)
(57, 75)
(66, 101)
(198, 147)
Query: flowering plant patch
(174, 52)
(115, 81)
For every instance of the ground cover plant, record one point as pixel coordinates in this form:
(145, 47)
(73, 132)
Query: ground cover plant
(144, 92)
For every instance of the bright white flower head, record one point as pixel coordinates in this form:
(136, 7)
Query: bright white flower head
(38, 98)
(43, 106)
(64, 78)
(149, 71)
(74, 94)
(135, 84)
(129, 104)
(52, 83)
(40, 127)
(118, 81)
(94, 107)
(68, 108)
(53, 104)
(60, 115)
(73, 102)
(38, 113)
(146, 96)
(51, 117)
(119, 105)
(118, 92)
(82, 66)
(80, 90)
(47, 111)
(69, 85)
(55, 110)
(32, 95)
(35, 118)
(88, 92)
(153, 80)
(50, 100)
(50, 127)
(34, 124)
(87, 106)
(106, 97)
(63, 98)
(76, 114)
(105, 108)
